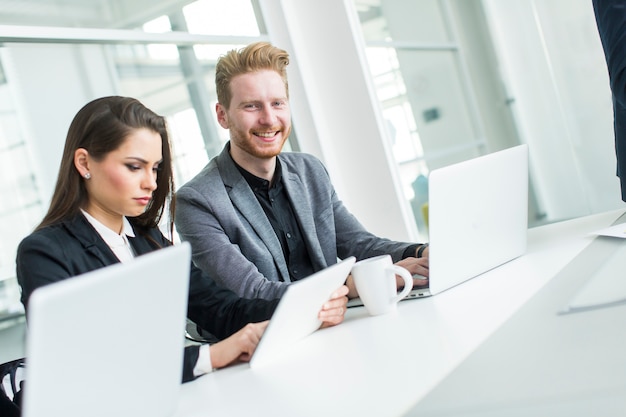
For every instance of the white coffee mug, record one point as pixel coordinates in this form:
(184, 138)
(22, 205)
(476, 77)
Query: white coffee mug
(375, 281)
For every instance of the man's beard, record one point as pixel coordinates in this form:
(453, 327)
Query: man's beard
(253, 147)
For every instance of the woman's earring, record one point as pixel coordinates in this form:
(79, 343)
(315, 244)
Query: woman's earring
(87, 176)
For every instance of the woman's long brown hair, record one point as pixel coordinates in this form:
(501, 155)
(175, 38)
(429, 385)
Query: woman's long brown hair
(100, 127)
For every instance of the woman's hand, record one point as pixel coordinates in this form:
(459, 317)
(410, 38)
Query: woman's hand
(239, 347)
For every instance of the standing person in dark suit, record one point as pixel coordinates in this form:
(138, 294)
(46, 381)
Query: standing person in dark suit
(611, 22)
(114, 184)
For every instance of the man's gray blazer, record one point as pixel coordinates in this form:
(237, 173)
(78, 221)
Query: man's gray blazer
(233, 241)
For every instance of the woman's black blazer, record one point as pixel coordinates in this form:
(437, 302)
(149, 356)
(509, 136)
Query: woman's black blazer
(73, 247)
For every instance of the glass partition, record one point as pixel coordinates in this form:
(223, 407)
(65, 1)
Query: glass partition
(49, 78)
(20, 203)
(421, 85)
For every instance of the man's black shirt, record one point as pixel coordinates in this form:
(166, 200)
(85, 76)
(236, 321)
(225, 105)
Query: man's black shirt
(279, 211)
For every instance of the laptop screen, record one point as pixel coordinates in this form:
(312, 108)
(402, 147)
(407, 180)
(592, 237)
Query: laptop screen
(109, 342)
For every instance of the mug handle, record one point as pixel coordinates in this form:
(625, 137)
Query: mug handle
(408, 281)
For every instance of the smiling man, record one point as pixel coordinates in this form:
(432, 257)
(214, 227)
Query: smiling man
(258, 218)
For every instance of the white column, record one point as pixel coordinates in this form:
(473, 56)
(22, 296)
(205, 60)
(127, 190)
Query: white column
(335, 111)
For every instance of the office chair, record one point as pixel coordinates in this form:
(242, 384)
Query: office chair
(195, 333)
(10, 370)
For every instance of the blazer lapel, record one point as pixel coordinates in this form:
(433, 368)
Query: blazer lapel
(304, 213)
(245, 201)
(84, 232)
(140, 245)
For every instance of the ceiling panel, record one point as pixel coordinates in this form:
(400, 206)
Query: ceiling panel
(84, 13)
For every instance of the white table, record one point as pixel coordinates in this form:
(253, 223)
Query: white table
(543, 362)
(384, 365)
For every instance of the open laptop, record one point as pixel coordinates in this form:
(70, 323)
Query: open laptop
(295, 316)
(478, 218)
(109, 342)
